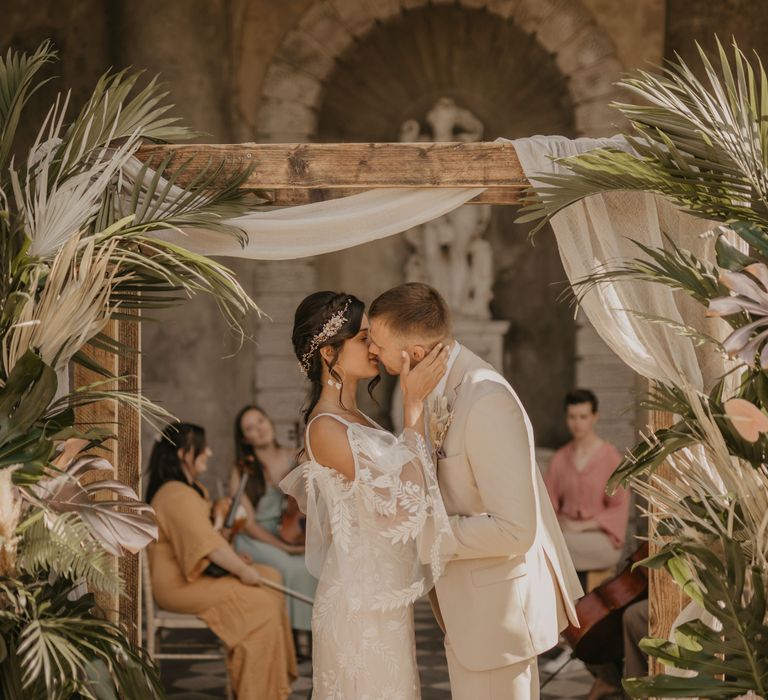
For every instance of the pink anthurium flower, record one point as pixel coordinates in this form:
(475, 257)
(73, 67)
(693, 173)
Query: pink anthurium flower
(748, 420)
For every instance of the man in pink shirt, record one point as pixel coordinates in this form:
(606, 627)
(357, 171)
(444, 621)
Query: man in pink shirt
(593, 523)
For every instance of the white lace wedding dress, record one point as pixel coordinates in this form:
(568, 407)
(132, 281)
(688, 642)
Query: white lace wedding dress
(376, 544)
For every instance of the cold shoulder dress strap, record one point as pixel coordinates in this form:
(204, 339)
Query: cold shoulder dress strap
(306, 434)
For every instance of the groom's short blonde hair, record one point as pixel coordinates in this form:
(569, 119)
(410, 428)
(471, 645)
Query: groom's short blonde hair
(414, 309)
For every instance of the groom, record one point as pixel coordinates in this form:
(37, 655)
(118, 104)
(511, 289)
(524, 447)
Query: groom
(511, 586)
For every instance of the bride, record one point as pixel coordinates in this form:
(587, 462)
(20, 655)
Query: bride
(377, 531)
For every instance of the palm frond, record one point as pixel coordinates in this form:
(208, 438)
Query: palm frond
(58, 634)
(17, 73)
(171, 268)
(152, 194)
(113, 113)
(55, 208)
(154, 414)
(684, 330)
(703, 145)
(675, 267)
(72, 308)
(113, 512)
(65, 547)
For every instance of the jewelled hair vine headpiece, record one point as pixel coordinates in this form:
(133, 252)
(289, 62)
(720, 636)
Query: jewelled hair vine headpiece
(330, 328)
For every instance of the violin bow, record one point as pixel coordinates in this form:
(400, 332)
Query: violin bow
(229, 521)
(288, 591)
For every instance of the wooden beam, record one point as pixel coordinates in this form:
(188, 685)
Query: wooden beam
(300, 173)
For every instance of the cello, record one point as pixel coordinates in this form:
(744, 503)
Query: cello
(599, 638)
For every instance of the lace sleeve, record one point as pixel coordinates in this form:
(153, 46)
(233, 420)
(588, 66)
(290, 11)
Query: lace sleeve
(383, 538)
(300, 484)
(396, 485)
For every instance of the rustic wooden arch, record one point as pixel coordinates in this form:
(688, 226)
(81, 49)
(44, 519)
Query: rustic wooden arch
(297, 173)
(292, 90)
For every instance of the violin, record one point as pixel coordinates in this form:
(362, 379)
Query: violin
(599, 639)
(293, 524)
(237, 515)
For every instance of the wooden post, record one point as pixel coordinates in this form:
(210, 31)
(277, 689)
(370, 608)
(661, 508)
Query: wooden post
(665, 598)
(129, 469)
(123, 454)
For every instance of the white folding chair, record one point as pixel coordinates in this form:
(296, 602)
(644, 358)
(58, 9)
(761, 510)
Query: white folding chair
(158, 619)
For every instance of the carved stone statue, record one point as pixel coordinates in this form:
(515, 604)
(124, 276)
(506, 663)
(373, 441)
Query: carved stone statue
(450, 253)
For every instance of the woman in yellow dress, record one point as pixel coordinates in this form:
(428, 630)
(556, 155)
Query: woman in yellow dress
(195, 570)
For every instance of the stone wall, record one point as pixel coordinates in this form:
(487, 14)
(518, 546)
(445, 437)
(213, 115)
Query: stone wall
(745, 21)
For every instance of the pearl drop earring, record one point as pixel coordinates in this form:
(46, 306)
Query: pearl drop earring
(332, 383)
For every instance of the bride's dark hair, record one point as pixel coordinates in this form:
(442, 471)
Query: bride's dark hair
(311, 315)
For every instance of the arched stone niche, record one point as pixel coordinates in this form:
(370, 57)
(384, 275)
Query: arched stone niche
(354, 71)
(294, 87)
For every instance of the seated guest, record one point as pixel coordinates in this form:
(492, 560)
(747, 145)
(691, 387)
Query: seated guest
(593, 523)
(266, 462)
(195, 571)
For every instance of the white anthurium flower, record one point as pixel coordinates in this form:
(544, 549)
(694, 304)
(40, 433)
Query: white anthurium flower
(750, 296)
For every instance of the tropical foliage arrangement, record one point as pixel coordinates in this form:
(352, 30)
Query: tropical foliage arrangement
(702, 143)
(81, 222)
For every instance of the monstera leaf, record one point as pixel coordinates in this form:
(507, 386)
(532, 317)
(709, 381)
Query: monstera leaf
(728, 659)
(115, 515)
(25, 397)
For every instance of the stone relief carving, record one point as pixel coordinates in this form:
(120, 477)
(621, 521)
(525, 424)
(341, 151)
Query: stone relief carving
(450, 253)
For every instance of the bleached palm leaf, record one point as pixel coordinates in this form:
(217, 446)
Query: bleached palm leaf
(55, 209)
(704, 145)
(71, 309)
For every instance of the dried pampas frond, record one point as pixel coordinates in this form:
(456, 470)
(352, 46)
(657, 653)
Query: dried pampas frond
(72, 308)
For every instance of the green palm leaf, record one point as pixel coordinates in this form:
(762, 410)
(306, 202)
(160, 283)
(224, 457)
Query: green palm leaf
(17, 73)
(702, 144)
(67, 549)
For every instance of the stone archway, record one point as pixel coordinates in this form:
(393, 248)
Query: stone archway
(293, 88)
(294, 95)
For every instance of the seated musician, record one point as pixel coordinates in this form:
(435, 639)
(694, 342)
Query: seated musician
(594, 524)
(261, 536)
(196, 571)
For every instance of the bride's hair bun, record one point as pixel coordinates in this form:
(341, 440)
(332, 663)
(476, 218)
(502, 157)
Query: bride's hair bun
(323, 319)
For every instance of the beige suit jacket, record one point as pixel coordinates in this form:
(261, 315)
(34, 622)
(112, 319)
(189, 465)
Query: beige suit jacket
(511, 586)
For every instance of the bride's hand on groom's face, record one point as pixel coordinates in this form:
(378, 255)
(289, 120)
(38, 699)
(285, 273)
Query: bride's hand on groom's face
(417, 383)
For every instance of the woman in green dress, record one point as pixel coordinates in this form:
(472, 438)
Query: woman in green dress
(267, 463)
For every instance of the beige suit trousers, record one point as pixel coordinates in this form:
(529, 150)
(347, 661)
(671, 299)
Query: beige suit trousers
(518, 681)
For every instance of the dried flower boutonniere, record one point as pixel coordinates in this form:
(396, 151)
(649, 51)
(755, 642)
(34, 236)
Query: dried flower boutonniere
(440, 419)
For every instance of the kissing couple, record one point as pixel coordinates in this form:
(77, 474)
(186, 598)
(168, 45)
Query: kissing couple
(454, 507)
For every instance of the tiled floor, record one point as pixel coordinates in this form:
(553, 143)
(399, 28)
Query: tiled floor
(205, 680)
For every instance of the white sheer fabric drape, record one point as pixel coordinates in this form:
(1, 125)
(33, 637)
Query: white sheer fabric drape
(599, 230)
(589, 233)
(325, 227)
